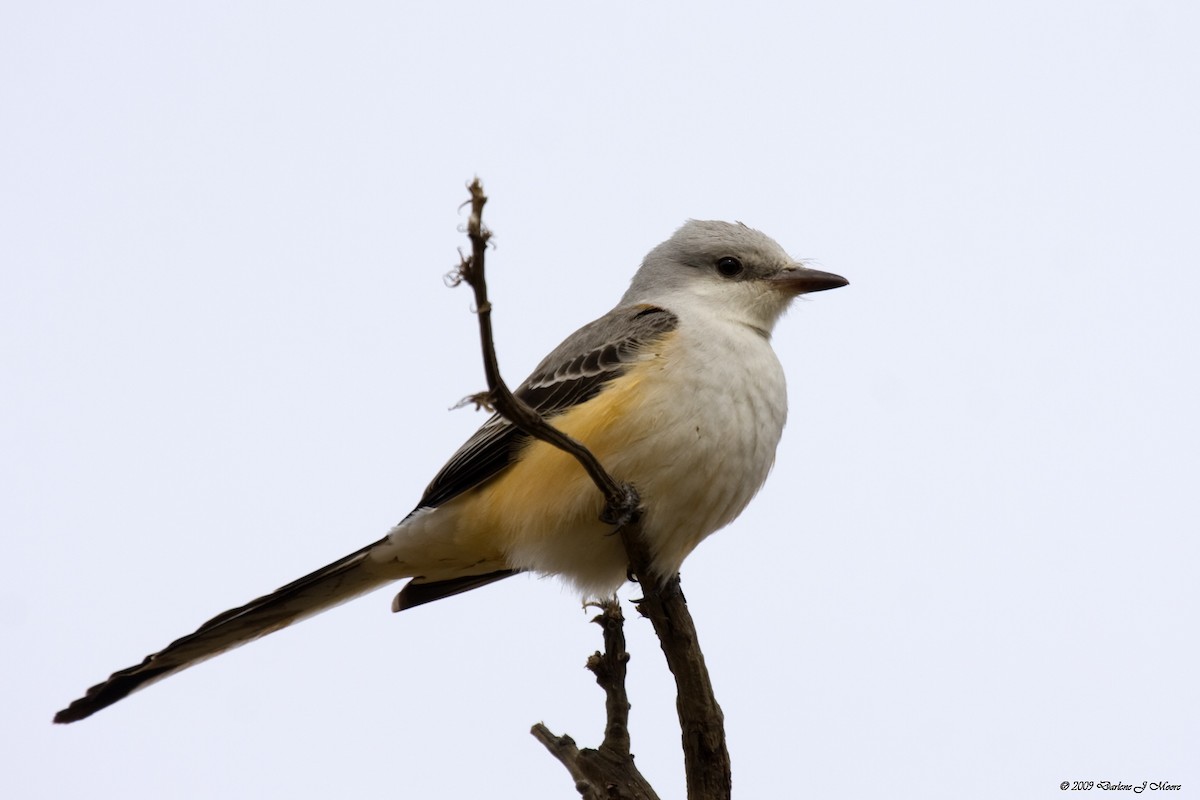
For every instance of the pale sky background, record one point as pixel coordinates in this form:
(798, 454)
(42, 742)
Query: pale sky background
(228, 358)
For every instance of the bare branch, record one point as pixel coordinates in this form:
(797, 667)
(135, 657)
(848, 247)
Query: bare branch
(622, 500)
(705, 755)
(706, 758)
(608, 772)
(563, 748)
(609, 668)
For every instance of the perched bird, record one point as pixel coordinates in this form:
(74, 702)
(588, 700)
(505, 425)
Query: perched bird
(676, 390)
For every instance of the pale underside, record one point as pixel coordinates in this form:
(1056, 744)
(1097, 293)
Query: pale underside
(692, 422)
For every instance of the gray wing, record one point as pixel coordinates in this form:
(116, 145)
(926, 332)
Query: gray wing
(573, 373)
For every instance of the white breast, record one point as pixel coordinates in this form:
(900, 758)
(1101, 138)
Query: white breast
(693, 426)
(721, 402)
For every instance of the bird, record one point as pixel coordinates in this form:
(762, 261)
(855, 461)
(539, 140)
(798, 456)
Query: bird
(676, 390)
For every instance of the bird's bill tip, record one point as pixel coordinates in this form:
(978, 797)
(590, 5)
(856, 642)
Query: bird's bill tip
(802, 280)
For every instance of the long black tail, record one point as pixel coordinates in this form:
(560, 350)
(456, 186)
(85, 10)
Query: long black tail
(327, 587)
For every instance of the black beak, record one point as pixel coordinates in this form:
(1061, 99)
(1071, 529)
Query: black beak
(802, 280)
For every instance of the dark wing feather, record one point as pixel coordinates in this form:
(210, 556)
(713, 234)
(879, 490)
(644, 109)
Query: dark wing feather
(572, 374)
(418, 593)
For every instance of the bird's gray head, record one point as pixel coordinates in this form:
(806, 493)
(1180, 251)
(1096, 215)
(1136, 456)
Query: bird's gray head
(732, 269)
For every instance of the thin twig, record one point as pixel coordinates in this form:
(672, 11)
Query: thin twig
(706, 758)
(608, 772)
(564, 749)
(622, 501)
(609, 667)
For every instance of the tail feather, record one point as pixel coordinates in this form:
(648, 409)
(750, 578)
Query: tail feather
(327, 587)
(418, 592)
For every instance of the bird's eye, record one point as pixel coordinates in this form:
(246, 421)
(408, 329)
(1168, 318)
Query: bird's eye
(729, 266)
